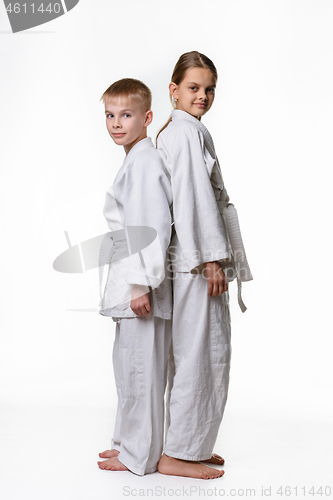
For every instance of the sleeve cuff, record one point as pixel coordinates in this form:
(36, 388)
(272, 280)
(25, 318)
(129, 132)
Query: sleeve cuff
(134, 278)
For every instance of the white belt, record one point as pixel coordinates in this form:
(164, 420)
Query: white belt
(106, 253)
(239, 260)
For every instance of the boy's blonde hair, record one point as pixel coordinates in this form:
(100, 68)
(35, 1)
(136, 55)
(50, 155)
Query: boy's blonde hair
(132, 89)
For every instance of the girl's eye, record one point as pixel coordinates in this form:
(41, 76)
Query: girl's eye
(109, 116)
(193, 88)
(212, 91)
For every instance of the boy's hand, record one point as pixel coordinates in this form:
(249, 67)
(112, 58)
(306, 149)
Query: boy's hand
(140, 303)
(216, 279)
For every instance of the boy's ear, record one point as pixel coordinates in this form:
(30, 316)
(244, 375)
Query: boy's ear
(149, 118)
(173, 90)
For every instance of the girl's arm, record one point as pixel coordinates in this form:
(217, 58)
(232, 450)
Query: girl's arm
(199, 225)
(216, 279)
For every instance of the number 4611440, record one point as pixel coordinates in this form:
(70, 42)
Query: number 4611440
(17, 8)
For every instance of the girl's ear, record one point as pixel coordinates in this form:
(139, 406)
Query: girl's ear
(149, 118)
(173, 90)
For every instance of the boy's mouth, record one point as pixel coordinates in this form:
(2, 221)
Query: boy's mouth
(118, 135)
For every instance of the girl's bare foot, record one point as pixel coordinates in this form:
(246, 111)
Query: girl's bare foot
(215, 459)
(176, 467)
(109, 453)
(112, 464)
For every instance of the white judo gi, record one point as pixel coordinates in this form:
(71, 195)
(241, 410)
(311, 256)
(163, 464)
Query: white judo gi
(206, 229)
(138, 211)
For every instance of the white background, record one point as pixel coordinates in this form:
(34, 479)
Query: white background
(272, 127)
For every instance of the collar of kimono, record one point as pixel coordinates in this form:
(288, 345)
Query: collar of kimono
(139, 146)
(178, 114)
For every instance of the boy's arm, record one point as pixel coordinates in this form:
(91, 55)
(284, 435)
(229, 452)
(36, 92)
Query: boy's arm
(148, 200)
(140, 303)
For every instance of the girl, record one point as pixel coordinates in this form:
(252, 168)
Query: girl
(206, 248)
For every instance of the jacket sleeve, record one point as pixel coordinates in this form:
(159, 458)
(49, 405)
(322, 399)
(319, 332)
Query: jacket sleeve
(147, 219)
(198, 223)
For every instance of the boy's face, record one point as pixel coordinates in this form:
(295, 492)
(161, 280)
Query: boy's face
(126, 121)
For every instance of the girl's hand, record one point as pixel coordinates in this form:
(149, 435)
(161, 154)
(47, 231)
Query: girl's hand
(140, 303)
(216, 279)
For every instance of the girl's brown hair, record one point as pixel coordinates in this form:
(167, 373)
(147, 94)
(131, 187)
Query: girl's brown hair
(187, 61)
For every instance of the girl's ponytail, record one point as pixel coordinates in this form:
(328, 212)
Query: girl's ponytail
(164, 126)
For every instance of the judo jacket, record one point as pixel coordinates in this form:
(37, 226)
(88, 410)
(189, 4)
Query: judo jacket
(206, 224)
(138, 211)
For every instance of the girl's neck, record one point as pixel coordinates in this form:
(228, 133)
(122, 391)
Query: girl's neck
(197, 117)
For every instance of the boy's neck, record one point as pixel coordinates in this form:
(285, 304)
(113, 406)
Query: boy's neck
(142, 136)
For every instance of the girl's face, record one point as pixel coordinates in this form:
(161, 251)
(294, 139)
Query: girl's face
(195, 93)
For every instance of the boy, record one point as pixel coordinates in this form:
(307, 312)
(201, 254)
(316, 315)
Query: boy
(137, 293)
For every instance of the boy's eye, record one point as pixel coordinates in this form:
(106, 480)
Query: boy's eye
(109, 115)
(127, 115)
(193, 88)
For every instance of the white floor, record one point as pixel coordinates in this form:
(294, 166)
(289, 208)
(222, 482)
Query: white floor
(50, 452)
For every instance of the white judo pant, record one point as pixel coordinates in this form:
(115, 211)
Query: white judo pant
(198, 377)
(140, 355)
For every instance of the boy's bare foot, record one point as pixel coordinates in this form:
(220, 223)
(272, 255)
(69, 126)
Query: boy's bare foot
(112, 464)
(109, 453)
(176, 467)
(215, 459)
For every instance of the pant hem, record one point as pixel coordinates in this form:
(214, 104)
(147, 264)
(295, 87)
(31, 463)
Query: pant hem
(135, 470)
(183, 456)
